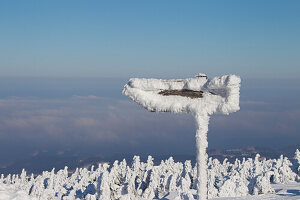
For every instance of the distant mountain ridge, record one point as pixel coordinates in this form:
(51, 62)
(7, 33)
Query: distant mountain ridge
(46, 161)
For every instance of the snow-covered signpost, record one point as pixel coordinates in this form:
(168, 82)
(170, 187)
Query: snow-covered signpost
(199, 96)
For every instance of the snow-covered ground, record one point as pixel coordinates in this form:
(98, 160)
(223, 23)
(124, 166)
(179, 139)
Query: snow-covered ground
(10, 192)
(290, 191)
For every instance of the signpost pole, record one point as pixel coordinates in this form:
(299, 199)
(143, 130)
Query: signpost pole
(202, 120)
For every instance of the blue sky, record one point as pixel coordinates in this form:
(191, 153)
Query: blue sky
(150, 38)
(63, 65)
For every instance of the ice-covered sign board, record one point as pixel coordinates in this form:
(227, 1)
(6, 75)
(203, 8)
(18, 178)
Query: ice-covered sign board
(200, 96)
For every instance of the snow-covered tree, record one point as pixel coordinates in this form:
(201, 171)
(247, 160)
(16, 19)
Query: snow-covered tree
(297, 163)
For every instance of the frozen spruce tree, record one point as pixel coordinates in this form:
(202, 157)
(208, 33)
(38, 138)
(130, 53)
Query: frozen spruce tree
(297, 162)
(199, 96)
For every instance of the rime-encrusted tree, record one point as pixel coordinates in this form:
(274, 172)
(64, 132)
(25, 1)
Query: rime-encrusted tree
(297, 162)
(199, 96)
(143, 180)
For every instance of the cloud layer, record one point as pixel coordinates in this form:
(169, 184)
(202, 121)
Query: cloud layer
(93, 125)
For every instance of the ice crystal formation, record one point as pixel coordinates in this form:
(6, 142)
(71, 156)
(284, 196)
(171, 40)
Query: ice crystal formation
(199, 96)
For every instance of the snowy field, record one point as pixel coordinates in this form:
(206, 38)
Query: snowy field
(10, 192)
(290, 191)
(282, 191)
(244, 179)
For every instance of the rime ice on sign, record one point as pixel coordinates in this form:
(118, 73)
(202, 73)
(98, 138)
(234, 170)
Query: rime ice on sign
(199, 96)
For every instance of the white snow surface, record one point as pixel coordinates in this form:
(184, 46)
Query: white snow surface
(289, 191)
(221, 94)
(246, 179)
(10, 192)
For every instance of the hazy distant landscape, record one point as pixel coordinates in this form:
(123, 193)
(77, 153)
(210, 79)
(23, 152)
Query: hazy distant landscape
(54, 122)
